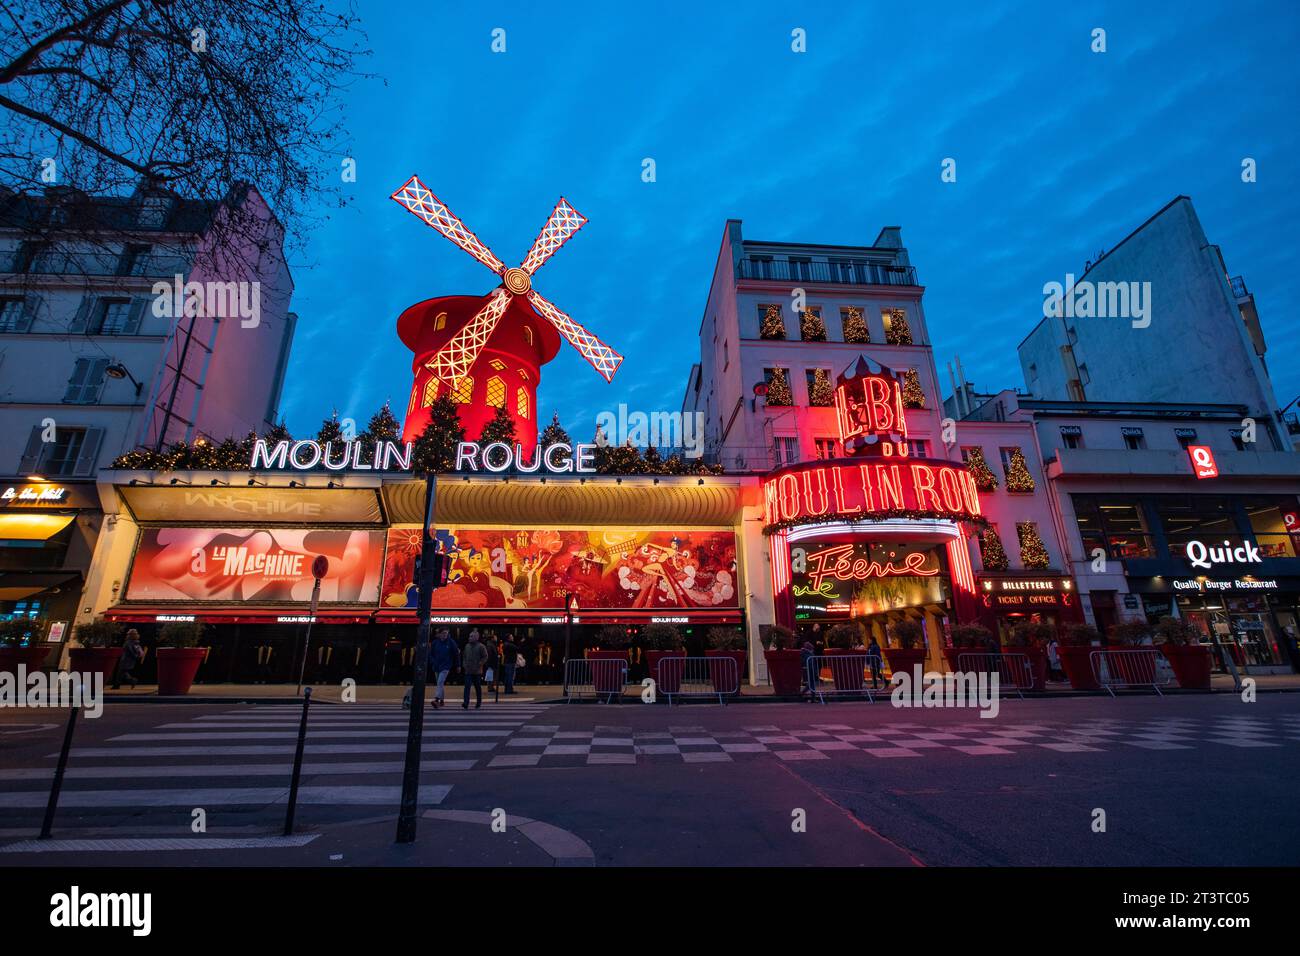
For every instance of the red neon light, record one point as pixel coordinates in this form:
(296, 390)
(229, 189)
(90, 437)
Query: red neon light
(857, 489)
(872, 404)
(959, 561)
(838, 562)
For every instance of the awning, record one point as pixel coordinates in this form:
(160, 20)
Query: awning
(16, 585)
(162, 614)
(32, 527)
(547, 616)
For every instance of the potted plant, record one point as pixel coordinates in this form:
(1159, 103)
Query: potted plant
(724, 642)
(664, 640)
(967, 639)
(782, 661)
(1030, 638)
(1075, 650)
(844, 640)
(179, 657)
(20, 643)
(611, 645)
(1180, 644)
(1130, 633)
(910, 651)
(99, 647)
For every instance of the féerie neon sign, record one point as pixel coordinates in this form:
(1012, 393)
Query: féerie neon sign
(839, 563)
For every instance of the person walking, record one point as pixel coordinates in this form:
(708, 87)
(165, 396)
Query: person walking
(1054, 659)
(493, 673)
(472, 661)
(444, 657)
(874, 661)
(509, 661)
(132, 655)
(808, 664)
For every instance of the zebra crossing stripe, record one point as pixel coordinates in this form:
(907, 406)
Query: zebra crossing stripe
(222, 796)
(258, 750)
(293, 735)
(154, 844)
(117, 772)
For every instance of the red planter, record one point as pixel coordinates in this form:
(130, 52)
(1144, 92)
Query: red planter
(847, 675)
(176, 669)
(669, 680)
(783, 670)
(903, 659)
(1191, 664)
(94, 660)
(1076, 661)
(719, 675)
(32, 657)
(607, 680)
(952, 655)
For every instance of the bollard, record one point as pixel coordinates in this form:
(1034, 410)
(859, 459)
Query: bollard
(297, 763)
(53, 804)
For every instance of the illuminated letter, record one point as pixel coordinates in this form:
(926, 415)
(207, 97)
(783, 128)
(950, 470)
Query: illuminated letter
(878, 405)
(789, 496)
(923, 486)
(467, 454)
(262, 454)
(890, 483)
(519, 459)
(391, 452)
(812, 507)
(837, 482)
(311, 446)
(950, 485)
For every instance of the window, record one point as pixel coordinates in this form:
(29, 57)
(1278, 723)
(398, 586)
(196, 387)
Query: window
(771, 324)
(1268, 523)
(1134, 440)
(440, 322)
(826, 448)
(726, 356)
(15, 316)
(497, 364)
(897, 331)
(854, 325)
(463, 393)
(1117, 526)
(135, 260)
(821, 393)
(523, 373)
(778, 387)
(800, 267)
(111, 317)
(1084, 377)
(811, 326)
(786, 450)
(521, 402)
(1185, 436)
(918, 449)
(853, 271)
(760, 267)
(528, 334)
(87, 381)
(72, 453)
(430, 391)
(496, 392)
(1071, 436)
(154, 210)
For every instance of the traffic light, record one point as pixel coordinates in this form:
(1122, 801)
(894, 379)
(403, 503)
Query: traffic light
(441, 569)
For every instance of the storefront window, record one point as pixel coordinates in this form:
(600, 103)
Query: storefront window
(1115, 525)
(1269, 527)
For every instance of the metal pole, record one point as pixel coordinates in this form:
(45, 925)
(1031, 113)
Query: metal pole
(568, 627)
(406, 817)
(297, 765)
(306, 643)
(53, 804)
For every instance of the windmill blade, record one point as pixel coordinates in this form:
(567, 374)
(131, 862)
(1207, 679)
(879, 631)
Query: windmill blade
(602, 358)
(564, 221)
(453, 360)
(420, 200)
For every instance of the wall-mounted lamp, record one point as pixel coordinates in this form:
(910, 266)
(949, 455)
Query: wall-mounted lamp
(119, 371)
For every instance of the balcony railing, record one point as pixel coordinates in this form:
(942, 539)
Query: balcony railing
(835, 273)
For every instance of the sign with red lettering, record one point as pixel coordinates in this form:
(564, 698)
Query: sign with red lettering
(876, 489)
(839, 579)
(1203, 461)
(869, 410)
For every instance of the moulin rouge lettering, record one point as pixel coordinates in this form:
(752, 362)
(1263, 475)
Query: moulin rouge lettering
(839, 563)
(849, 489)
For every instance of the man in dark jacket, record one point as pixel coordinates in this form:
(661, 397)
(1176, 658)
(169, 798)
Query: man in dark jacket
(444, 657)
(509, 654)
(472, 660)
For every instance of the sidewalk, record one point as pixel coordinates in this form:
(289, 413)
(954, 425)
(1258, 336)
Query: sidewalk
(550, 693)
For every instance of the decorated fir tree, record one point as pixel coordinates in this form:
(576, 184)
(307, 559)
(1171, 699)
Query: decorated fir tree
(652, 463)
(897, 331)
(772, 325)
(553, 434)
(330, 430)
(1018, 477)
(811, 326)
(855, 326)
(979, 469)
(501, 427)
(913, 394)
(382, 426)
(623, 460)
(820, 391)
(435, 449)
(992, 555)
(778, 389)
(1033, 553)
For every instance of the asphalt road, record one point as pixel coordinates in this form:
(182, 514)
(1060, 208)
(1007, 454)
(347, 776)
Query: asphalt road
(1182, 781)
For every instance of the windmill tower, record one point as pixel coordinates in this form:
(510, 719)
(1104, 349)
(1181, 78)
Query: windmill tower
(487, 352)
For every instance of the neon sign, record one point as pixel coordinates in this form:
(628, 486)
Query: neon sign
(838, 562)
(845, 488)
(869, 411)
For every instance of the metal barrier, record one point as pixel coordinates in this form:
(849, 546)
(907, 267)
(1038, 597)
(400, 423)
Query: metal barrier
(848, 676)
(598, 678)
(1129, 669)
(1014, 670)
(697, 677)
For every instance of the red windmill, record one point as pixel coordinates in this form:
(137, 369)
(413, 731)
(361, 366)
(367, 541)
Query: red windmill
(453, 336)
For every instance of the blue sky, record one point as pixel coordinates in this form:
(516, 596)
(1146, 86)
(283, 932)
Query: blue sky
(1060, 152)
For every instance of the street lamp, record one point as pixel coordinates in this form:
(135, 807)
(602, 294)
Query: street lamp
(570, 607)
(119, 371)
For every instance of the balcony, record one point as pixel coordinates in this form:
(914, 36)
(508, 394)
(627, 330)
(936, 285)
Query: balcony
(837, 273)
(93, 264)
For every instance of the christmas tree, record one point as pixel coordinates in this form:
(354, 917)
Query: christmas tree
(778, 389)
(1033, 554)
(277, 433)
(772, 326)
(855, 326)
(652, 463)
(500, 428)
(897, 331)
(1018, 478)
(553, 434)
(382, 427)
(820, 391)
(435, 449)
(985, 480)
(913, 395)
(811, 326)
(621, 460)
(330, 430)
(992, 555)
